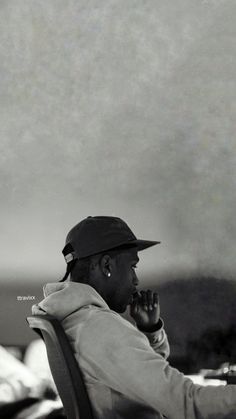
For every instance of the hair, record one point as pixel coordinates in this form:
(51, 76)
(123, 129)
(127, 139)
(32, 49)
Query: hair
(82, 268)
(83, 265)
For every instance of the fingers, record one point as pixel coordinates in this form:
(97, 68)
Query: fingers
(155, 299)
(148, 299)
(145, 309)
(134, 309)
(134, 306)
(143, 300)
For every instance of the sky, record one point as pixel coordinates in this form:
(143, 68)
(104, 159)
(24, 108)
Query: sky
(118, 108)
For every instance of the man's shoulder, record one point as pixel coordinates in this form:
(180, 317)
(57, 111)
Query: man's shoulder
(106, 319)
(109, 329)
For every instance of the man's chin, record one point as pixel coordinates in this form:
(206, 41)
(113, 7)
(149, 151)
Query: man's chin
(121, 309)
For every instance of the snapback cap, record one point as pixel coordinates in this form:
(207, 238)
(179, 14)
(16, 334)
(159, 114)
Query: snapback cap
(94, 235)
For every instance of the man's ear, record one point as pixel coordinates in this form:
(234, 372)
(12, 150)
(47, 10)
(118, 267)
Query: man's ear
(106, 265)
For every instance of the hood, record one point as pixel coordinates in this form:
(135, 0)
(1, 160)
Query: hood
(61, 299)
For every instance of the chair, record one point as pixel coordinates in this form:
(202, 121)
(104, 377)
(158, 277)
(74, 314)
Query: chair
(64, 367)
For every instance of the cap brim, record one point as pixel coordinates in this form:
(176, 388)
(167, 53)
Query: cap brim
(144, 244)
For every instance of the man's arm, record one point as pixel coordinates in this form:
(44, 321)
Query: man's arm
(158, 339)
(123, 360)
(145, 310)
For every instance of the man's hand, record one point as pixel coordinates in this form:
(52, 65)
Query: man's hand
(145, 310)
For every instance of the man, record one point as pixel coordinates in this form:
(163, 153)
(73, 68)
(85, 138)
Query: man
(125, 368)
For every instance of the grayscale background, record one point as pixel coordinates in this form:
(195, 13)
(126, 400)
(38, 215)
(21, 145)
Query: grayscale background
(122, 108)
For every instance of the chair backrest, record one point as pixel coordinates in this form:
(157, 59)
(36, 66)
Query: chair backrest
(64, 367)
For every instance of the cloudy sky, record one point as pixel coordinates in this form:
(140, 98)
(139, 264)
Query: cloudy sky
(118, 108)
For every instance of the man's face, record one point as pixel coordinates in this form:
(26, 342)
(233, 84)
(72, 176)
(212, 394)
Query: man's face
(123, 280)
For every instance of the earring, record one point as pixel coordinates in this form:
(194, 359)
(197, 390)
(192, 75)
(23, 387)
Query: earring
(109, 274)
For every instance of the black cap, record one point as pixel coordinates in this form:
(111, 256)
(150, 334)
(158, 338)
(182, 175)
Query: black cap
(94, 235)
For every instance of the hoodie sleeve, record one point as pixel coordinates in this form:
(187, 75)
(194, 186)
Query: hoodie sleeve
(158, 340)
(124, 361)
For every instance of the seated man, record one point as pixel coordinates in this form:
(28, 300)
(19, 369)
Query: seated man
(125, 368)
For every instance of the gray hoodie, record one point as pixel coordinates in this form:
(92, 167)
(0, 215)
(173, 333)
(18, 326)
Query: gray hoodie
(126, 372)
